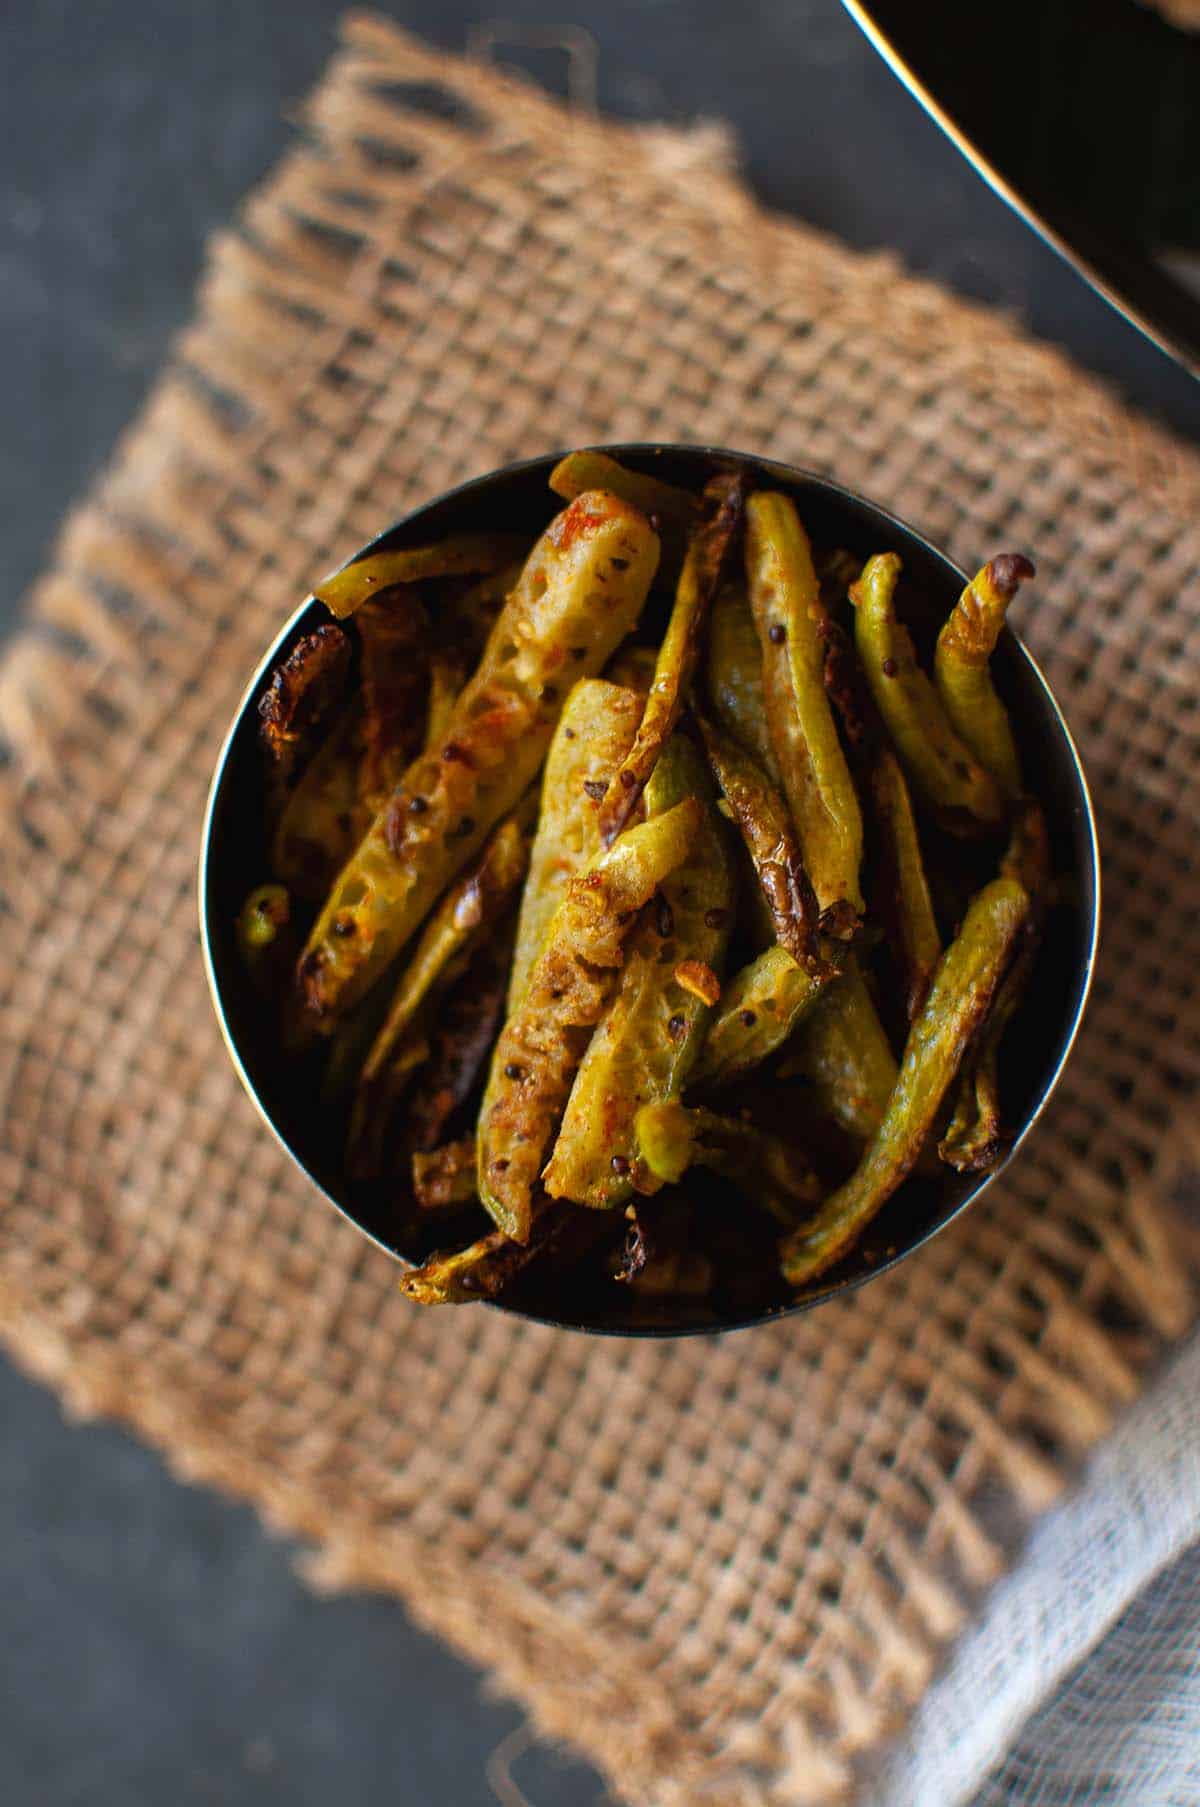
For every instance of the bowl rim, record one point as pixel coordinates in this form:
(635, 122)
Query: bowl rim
(792, 474)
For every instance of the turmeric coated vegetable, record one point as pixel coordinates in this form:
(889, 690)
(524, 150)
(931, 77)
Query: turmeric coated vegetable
(674, 1137)
(945, 771)
(579, 594)
(485, 1268)
(762, 816)
(652, 1028)
(593, 904)
(680, 650)
(346, 590)
(975, 1138)
(791, 623)
(963, 987)
(843, 1053)
(596, 731)
(734, 676)
(488, 1265)
(543, 1041)
(760, 1006)
(674, 510)
(479, 1271)
(961, 667)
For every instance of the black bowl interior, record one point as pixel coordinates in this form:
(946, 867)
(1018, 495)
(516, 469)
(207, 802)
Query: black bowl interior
(1035, 1049)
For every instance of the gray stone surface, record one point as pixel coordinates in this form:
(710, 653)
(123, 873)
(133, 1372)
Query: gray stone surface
(157, 1645)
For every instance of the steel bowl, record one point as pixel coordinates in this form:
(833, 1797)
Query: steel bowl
(1036, 1047)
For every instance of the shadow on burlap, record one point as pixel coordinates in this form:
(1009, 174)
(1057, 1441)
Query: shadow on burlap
(723, 1568)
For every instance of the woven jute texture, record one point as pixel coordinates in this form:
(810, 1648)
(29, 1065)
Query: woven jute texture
(725, 1568)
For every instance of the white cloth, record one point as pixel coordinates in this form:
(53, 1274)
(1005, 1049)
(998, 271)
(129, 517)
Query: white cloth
(1014, 1720)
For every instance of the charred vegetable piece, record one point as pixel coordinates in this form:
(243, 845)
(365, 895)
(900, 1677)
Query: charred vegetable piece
(480, 1271)
(346, 590)
(445, 1176)
(486, 1267)
(962, 667)
(652, 1028)
(262, 934)
(734, 676)
(581, 591)
(760, 1007)
(543, 1042)
(770, 839)
(595, 733)
(900, 889)
(940, 764)
(324, 817)
(680, 650)
(674, 1137)
(460, 1042)
(297, 703)
(863, 732)
(792, 624)
(393, 631)
(842, 1051)
(674, 510)
(975, 1138)
(963, 988)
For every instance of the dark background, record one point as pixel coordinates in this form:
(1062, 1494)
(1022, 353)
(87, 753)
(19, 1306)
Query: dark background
(156, 1644)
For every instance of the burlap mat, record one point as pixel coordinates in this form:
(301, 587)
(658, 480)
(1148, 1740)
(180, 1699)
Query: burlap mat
(723, 1568)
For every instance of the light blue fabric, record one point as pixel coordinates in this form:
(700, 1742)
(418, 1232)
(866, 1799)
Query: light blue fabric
(1018, 1718)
